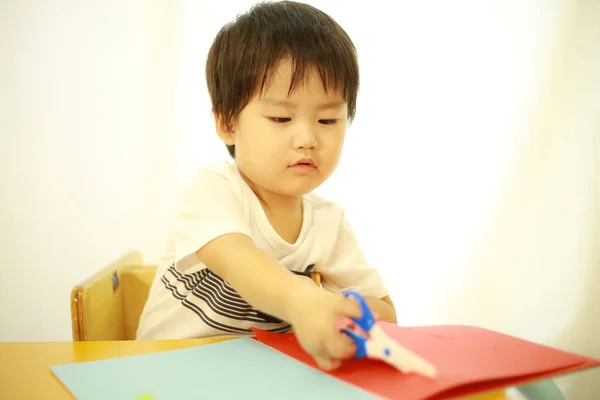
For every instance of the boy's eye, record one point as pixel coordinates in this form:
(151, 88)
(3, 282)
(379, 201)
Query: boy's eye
(327, 121)
(280, 120)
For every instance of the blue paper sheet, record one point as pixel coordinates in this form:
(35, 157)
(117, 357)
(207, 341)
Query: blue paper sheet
(239, 368)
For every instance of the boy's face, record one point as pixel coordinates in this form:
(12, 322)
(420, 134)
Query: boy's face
(274, 132)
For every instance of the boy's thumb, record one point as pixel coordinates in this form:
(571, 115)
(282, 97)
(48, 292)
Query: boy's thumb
(349, 308)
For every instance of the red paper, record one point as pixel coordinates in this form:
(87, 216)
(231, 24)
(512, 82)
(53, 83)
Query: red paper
(468, 360)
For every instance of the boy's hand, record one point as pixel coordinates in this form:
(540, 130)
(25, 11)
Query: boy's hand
(314, 317)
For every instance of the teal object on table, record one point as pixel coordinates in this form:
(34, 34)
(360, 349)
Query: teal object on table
(543, 390)
(238, 368)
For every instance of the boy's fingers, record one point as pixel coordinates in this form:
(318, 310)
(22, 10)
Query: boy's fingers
(340, 345)
(343, 347)
(327, 363)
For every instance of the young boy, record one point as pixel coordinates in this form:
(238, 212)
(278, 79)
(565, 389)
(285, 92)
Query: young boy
(283, 80)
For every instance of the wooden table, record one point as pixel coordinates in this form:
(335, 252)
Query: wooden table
(25, 367)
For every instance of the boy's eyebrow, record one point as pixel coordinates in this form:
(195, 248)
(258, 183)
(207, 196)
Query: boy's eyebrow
(291, 104)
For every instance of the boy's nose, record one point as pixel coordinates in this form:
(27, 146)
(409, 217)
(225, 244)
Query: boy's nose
(305, 139)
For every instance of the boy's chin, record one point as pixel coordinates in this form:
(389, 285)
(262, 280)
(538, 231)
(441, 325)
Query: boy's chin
(293, 193)
(298, 190)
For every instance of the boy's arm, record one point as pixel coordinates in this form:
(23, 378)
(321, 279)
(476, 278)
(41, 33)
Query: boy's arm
(382, 308)
(259, 278)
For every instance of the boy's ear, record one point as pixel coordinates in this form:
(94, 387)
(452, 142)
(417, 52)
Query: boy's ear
(225, 132)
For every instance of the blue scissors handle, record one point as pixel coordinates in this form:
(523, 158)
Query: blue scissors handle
(365, 322)
(360, 341)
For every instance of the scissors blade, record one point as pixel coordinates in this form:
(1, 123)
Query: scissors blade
(407, 361)
(383, 347)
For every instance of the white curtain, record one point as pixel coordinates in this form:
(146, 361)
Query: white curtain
(536, 271)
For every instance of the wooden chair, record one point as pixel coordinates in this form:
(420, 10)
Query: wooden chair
(108, 305)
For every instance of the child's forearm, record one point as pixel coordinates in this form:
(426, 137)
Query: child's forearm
(383, 308)
(258, 278)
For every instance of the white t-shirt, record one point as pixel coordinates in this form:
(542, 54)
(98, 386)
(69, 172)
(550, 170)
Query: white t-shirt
(187, 300)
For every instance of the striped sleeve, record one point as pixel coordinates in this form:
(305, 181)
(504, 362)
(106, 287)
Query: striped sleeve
(219, 308)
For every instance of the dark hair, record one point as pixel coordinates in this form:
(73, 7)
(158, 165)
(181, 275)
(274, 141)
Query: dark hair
(246, 50)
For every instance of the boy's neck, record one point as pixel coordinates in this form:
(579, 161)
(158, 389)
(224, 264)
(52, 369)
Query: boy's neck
(285, 213)
(278, 205)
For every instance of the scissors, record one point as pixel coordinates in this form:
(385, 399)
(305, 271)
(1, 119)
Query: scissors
(373, 342)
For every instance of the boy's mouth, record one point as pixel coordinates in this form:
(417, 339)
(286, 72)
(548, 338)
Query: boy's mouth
(307, 162)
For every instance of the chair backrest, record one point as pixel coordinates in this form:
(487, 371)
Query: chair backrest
(136, 282)
(107, 305)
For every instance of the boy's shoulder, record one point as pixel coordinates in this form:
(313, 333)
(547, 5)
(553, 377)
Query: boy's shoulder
(209, 175)
(219, 168)
(217, 179)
